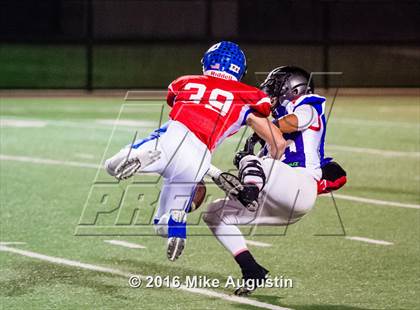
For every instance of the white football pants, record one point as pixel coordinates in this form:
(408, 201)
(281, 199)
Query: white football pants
(183, 163)
(289, 193)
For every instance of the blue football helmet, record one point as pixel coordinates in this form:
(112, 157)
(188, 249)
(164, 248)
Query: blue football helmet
(226, 57)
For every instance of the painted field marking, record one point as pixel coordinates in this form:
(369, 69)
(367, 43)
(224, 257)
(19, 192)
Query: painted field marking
(368, 240)
(125, 244)
(45, 161)
(106, 124)
(353, 149)
(84, 155)
(16, 122)
(36, 160)
(11, 243)
(258, 243)
(77, 264)
(61, 261)
(126, 123)
(22, 123)
(379, 152)
(377, 202)
(367, 122)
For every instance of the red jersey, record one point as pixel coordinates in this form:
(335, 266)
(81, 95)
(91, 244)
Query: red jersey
(214, 108)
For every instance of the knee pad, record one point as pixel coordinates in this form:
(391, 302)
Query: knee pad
(251, 171)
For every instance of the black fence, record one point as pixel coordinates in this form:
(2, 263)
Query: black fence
(146, 44)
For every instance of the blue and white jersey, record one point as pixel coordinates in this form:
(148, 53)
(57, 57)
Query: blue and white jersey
(305, 147)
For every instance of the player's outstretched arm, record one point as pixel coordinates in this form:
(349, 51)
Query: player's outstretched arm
(269, 132)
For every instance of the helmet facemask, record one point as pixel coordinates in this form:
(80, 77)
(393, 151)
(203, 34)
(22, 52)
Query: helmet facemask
(274, 87)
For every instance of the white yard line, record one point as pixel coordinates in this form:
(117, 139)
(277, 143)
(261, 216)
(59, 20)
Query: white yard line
(369, 122)
(376, 202)
(368, 240)
(45, 161)
(12, 243)
(125, 244)
(77, 264)
(22, 123)
(35, 160)
(61, 261)
(233, 298)
(127, 123)
(84, 155)
(379, 152)
(124, 125)
(257, 243)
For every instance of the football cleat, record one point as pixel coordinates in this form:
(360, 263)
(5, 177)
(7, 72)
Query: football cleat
(228, 183)
(246, 194)
(129, 167)
(177, 234)
(251, 281)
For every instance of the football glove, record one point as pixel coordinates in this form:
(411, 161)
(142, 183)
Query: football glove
(333, 178)
(248, 148)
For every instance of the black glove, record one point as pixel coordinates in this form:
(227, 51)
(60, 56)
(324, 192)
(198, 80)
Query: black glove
(238, 157)
(332, 171)
(248, 149)
(248, 196)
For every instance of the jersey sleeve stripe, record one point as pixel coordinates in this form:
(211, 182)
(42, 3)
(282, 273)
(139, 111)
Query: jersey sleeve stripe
(263, 100)
(247, 112)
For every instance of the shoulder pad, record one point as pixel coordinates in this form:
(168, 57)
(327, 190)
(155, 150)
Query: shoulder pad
(314, 100)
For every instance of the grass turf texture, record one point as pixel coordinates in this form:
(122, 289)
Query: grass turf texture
(41, 205)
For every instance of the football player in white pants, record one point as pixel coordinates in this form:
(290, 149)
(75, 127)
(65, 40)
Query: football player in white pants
(181, 159)
(206, 109)
(285, 189)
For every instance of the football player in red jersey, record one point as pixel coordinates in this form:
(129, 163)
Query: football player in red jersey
(206, 109)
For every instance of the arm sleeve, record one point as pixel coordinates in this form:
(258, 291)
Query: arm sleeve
(306, 115)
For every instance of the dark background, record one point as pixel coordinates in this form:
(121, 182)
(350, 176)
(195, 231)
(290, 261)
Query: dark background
(146, 44)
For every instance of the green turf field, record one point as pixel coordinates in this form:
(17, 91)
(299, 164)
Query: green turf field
(50, 148)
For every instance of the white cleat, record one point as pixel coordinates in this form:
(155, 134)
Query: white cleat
(129, 167)
(176, 246)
